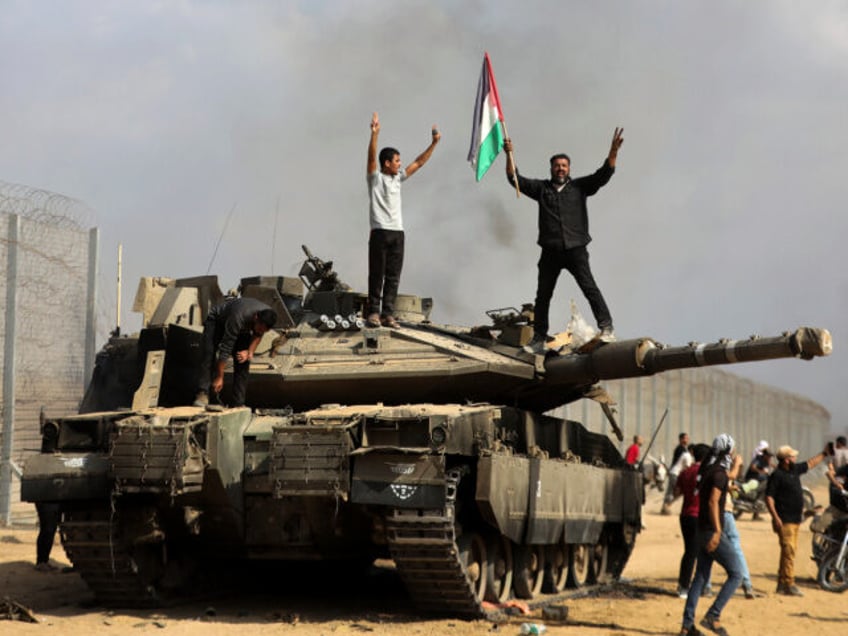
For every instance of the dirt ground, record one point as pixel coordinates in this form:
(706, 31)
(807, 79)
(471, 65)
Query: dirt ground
(326, 605)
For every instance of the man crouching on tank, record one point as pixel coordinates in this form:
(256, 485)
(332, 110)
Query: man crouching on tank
(233, 328)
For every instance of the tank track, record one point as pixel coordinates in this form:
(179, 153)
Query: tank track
(424, 548)
(91, 541)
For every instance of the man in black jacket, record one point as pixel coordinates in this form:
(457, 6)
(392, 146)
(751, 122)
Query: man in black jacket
(564, 233)
(232, 329)
(785, 501)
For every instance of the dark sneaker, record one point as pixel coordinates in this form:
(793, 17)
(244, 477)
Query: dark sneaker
(201, 399)
(390, 322)
(45, 567)
(749, 591)
(714, 625)
(690, 631)
(373, 320)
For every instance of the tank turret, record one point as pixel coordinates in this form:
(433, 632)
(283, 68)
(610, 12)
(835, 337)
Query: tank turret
(427, 444)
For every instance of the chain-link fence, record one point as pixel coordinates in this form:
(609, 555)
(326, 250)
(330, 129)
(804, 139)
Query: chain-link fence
(48, 261)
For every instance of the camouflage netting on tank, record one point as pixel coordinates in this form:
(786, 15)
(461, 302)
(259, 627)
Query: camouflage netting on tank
(52, 274)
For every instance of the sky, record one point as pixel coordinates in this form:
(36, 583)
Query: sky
(182, 125)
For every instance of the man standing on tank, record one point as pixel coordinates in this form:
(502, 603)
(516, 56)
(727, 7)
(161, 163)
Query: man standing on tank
(232, 329)
(386, 241)
(564, 233)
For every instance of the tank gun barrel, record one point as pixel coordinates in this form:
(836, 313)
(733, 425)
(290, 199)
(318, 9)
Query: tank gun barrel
(645, 357)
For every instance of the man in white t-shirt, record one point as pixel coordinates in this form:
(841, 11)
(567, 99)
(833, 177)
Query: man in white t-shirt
(385, 244)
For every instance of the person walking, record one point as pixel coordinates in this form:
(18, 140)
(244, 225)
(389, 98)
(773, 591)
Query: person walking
(386, 240)
(564, 233)
(732, 533)
(713, 544)
(785, 502)
(687, 487)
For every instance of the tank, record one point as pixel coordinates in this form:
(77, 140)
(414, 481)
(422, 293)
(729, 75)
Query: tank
(430, 445)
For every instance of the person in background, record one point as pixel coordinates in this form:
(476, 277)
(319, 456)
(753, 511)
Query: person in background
(680, 461)
(687, 487)
(760, 466)
(732, 533)
(785, 502)
(632, 454)
(48, 523)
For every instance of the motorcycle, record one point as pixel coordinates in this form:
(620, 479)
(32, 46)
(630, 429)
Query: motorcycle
(655, 472)
(833, 564)
(750, 496)
(830, 546)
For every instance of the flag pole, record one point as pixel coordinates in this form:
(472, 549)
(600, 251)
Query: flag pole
(512, 158)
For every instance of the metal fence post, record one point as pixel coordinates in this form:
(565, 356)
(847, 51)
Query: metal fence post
(9, 368)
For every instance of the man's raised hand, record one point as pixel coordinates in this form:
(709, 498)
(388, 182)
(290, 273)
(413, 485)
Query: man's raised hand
(436, 134)
(375, 123)
(617, 140)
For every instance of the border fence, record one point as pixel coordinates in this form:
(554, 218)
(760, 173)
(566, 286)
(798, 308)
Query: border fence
(48, 273)
(703, 403)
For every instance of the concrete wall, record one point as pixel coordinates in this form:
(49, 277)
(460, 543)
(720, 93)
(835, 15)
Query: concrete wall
(704, 403)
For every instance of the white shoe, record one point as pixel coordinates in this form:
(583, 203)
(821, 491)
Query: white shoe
(536, 345)
(606, 335)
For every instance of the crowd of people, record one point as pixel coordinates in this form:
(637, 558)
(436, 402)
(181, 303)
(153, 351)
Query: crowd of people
(704, 476)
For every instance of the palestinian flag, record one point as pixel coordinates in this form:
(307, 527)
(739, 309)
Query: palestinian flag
(487, 135)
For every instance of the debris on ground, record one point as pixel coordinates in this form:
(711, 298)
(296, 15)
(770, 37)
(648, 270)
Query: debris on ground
(13, 611)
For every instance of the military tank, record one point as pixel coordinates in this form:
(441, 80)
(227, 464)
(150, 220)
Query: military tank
(428, 444)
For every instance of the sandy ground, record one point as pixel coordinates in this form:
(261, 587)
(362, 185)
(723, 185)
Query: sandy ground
(325, 605)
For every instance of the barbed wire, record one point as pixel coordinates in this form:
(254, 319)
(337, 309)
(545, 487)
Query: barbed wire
(53, 244)
(44, 206)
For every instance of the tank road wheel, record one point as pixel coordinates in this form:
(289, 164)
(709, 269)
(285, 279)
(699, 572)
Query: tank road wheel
(529, 570)
(580, 562)
(472, 554)
(620, 541)
(557, 559)
(499, 569)
(601, 559)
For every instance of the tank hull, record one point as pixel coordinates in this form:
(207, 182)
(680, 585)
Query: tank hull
(423, 484)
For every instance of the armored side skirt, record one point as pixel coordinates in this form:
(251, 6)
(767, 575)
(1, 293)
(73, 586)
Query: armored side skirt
(539, 501)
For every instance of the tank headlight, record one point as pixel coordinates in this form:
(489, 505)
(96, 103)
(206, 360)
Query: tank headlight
(438, 436)
(49, 437)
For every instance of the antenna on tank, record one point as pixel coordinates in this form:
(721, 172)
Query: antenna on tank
(220, 237)
(274, 236)
(117, 331)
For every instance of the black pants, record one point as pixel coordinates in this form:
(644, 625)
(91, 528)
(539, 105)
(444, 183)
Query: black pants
(689, 530)
(48, 522)
(385, 261)
(212, 334)
(576, 261)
